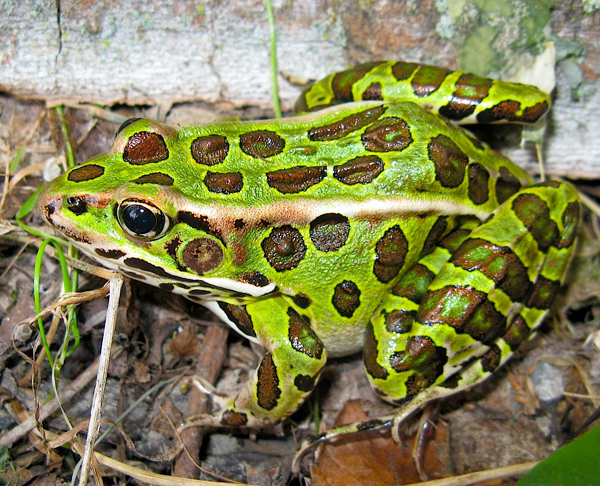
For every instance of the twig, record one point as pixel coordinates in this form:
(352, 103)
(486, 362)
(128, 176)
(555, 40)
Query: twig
(209, 365)
(116, 282)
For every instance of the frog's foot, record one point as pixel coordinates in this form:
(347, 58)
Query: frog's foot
(392, 421)
(379, 423)
(225, 413)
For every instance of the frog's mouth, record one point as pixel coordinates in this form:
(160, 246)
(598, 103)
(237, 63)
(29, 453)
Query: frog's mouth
(58, 211)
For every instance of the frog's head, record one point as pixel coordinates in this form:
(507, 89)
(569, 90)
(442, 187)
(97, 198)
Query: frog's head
(127, 210)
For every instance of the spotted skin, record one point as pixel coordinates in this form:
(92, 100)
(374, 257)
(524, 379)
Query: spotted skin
(145, 148)
(371, 225)
(458, 96)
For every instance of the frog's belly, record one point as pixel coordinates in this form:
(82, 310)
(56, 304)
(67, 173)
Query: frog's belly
(342, 340)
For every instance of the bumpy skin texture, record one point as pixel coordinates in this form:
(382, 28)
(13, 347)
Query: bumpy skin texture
(372, 225)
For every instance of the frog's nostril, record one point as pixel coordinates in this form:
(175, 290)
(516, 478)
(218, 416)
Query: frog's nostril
(77, 205)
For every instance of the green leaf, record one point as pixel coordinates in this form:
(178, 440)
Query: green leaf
(575, 464)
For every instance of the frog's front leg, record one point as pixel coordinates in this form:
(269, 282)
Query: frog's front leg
(286, 374)
(481, 305)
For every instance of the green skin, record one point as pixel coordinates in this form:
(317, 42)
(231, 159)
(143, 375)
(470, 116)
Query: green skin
(358, 226)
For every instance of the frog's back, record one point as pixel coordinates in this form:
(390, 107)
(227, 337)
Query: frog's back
(391, 157)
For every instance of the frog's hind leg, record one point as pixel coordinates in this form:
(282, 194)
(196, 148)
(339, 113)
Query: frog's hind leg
(484, 301)
(392, 327)
(458, 315)
(286, 374)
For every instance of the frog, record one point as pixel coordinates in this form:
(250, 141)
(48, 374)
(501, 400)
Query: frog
(371, 222)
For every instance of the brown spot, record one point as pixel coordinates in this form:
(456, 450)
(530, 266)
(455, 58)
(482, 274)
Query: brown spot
(267, 384)
(261, 144)
(490, 361)
(479, 191)
(506, 185)
(302, 300)
(210, 149)
(223, 183)
(137, 276)
(329, 232)
(296, 179)
(284, 248)
(304, 383)
(200, 292)
(414, 284)
(239, 317)
(172, 246)
(343, 81)
(543, 293)
(145, 148)
(423, 359)
(498, 263)
(517, 333)
(110, 254)
(469, 93)
(345, 126)
(359, 170)
(85, 173)
(372, 424)
(72, 235)
(302, 337)
(157, 178)
(372, 92)
(534, 113)
(534, 213)
(505, 110)
(346, 298)
(449, 160)
(254, 278)
(404, 70)
(231, 418)
(570, 225)
(466, 309)
(167, 287)
(399, 321)
(387, 135)
(144, 265)
(391, 251)
(202, 255)
(199, 222)
(435, 234)
(427, 80)
(370, 355)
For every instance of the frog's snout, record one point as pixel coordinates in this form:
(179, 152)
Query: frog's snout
(49, 205)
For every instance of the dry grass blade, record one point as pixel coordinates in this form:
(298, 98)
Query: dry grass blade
(116, 284)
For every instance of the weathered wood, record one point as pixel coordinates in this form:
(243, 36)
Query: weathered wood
(158, 53)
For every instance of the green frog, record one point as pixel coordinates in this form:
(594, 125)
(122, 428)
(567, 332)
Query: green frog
(371, 223)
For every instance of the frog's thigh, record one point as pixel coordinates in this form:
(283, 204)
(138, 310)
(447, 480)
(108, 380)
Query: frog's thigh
(288, 371)
(392, 327)
(482, 303)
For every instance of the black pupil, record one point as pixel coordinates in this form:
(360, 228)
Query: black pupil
(139, 219)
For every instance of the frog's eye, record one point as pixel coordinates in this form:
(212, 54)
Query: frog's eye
(142, 219)
(125, 124)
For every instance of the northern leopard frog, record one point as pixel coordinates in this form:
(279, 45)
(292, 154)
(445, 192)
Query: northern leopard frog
(371, 223)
